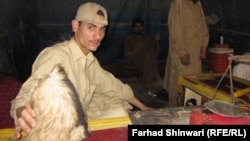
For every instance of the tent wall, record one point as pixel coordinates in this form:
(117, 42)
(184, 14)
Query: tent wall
(28, 26)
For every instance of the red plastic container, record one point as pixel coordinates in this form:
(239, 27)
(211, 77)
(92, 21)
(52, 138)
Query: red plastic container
(218, 57)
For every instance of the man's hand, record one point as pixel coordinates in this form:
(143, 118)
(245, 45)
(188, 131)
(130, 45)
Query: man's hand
(25, 119)
(185, 59)
(203, 53)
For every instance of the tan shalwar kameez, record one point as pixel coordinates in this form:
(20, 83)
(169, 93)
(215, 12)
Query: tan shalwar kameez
(188, 33)
(100, 93)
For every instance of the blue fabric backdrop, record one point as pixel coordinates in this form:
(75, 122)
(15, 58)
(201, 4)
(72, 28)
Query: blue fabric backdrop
(27, 26)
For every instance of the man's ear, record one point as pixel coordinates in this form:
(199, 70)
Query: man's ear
(75, 25)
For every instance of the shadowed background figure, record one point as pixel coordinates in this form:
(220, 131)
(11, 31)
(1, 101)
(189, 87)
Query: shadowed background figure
(141, 52)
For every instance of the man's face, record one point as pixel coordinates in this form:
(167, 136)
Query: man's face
(89, 35)
(138, 28)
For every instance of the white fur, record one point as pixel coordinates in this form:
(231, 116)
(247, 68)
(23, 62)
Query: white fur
(59, 114)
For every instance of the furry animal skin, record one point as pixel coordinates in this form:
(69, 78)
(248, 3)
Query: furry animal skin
(59, 114)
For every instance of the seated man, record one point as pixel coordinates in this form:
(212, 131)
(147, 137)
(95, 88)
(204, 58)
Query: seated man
(141, 51)
(100, 93)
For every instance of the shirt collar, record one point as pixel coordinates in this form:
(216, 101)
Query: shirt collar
(77, 53)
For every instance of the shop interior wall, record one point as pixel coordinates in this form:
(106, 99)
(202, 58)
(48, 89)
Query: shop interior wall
(28, 26)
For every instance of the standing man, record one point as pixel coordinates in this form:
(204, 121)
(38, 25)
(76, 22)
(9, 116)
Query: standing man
(188, 40)
(141, 52)
(100, 93)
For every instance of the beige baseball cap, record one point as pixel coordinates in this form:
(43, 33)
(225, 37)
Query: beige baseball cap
(88, 11)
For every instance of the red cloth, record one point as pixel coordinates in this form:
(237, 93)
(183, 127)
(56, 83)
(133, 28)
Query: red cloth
(9, 88)
(112, 134)
(203, 116)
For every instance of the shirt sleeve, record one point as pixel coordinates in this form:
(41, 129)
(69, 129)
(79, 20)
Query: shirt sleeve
(110, 92)
(204, 28)
(175, 22)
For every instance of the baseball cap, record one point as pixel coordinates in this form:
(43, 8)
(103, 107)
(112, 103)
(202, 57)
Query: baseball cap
(88, 11)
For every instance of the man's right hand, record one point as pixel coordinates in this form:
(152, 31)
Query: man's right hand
(185, 59)
(25, 119)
